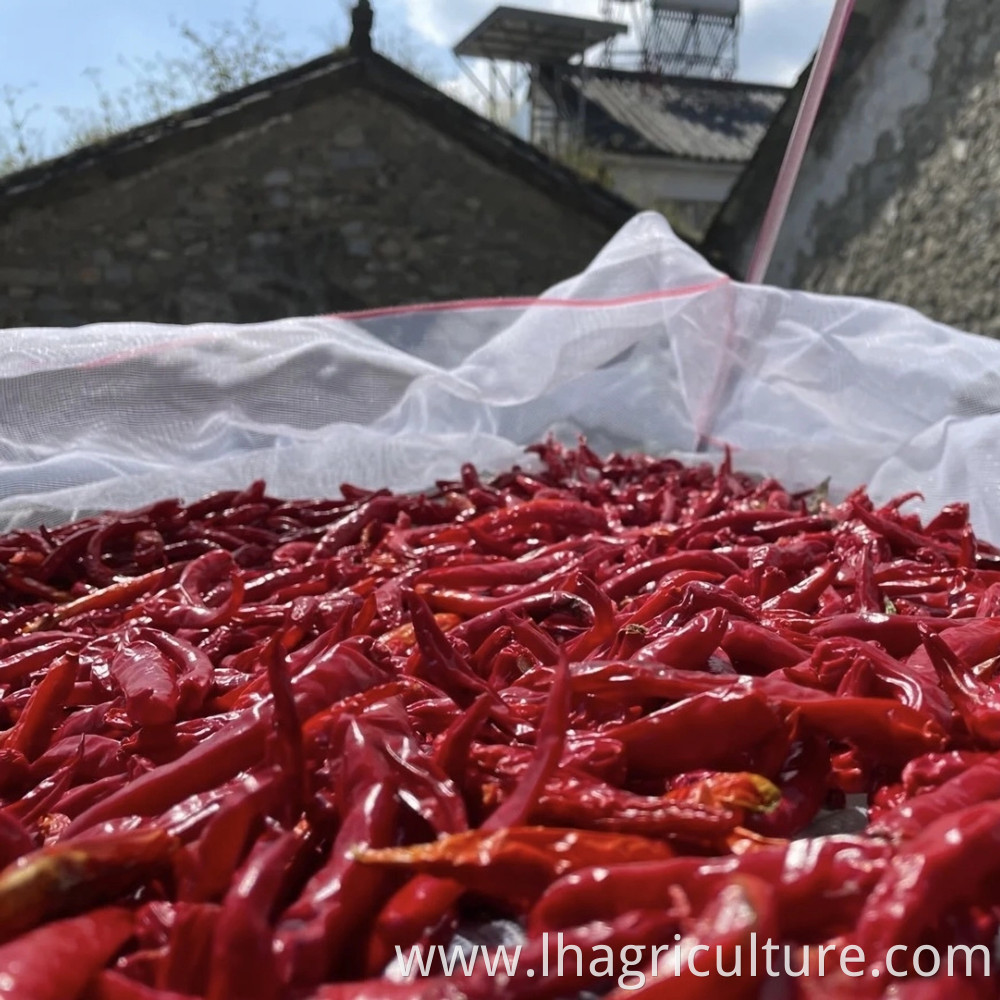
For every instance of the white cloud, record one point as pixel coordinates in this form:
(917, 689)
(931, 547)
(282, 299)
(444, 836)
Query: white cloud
(779, 36)
(444, 22)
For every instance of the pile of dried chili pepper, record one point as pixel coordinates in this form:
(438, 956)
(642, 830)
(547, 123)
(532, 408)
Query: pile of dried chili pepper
(250, 747)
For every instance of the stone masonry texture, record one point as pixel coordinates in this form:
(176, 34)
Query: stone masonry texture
(348, 202)
(930, 201)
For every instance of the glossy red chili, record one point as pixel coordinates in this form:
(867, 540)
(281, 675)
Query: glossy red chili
(252, 746)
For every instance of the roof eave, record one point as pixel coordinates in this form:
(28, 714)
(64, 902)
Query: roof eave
(130, 151)
(673, 155)
(184, 131)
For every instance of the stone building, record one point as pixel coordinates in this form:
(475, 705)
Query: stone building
(899, 195)
(672, 143)
(342, 184)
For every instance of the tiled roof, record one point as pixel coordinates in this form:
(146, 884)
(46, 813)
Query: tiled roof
(642, 113)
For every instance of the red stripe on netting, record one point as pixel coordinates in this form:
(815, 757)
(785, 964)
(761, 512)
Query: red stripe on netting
(144, 350)
(781, 198)
(530, 303)
(427, 307)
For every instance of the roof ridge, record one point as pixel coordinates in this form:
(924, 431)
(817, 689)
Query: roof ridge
(557, 176)
(78, 157)
(131, 151)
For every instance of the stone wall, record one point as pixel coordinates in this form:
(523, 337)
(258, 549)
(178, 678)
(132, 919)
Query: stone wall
(929, 197)
(348, 202)
(687, 192)
(899, 194)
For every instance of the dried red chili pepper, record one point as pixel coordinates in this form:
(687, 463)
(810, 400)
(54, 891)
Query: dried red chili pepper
(976, 782)
(732, 724)
(952, 863)
(243, 960)
(622, 647)
(822, 885)
(75, 875)
(516, 864)
(56, 962)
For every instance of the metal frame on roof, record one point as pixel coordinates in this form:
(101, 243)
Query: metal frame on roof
(707, 8)
(513, 34)
(680, 37)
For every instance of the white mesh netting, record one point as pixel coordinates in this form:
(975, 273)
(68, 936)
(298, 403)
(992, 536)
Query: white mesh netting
(648, 348)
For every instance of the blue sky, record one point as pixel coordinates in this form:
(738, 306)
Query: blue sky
(46, 46)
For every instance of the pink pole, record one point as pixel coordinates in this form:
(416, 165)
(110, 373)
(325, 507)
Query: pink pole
(804, 123)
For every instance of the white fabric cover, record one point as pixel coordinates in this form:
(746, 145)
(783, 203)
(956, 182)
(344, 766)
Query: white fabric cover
(648, 348)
